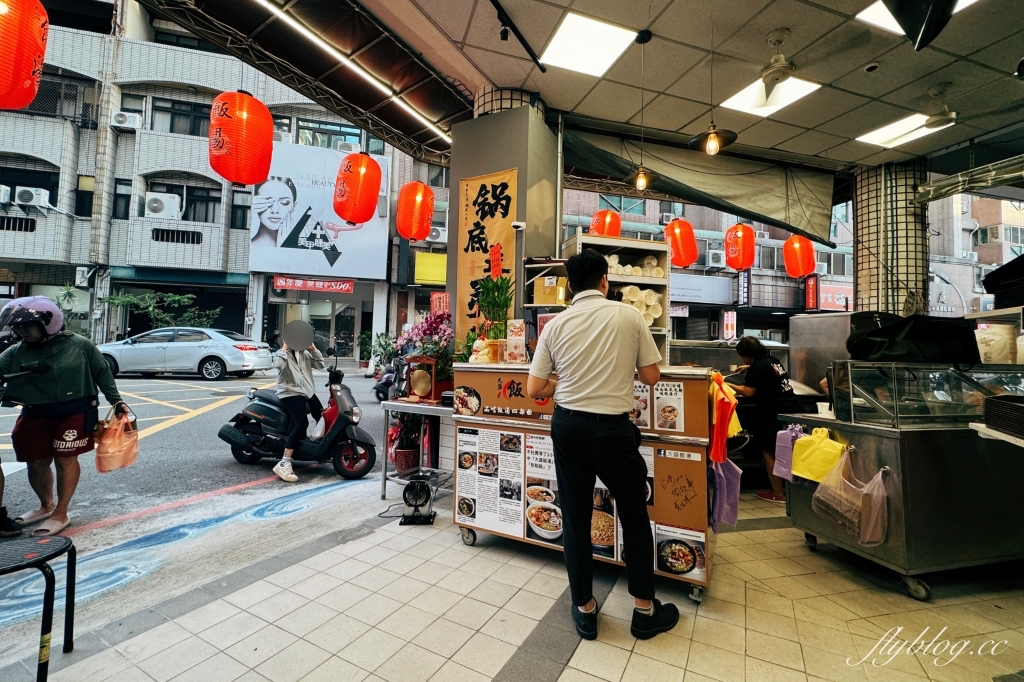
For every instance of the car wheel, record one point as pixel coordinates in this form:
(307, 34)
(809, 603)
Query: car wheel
(353, 460)
(246, 373)
(112, 364)
(212, 369)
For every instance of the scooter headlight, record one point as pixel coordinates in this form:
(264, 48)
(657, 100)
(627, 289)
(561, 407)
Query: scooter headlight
(357, 414)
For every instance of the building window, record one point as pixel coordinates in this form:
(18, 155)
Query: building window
(182, 118)
(736, 220)
(630, 205)
(83, 196)
(191, 42)
(437, 176)
(122, 199)
(202, 204)
(676, 208)
(134, 103)
(19, 177)
(374, 145)
(283, 124)
(767, 258)
(241, 204)
(329, 135)
(11, 224)
(702, 250)
(177, 236)
(840, 212)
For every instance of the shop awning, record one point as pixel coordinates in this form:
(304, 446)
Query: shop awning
(795, 199)
(1008, 174)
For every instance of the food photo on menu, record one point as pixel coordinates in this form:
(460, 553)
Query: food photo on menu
(487, 464)
(602, 524)
(510, 490)
(641, 412)
(466, 401)
(680, 551)
(466, 508)
(466, 460)
(543, 515)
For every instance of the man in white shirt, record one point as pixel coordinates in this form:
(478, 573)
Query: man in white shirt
(594, 348)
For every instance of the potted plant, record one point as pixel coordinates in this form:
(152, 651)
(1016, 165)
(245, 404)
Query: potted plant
(383, 349)
(495, 299)
(365, 348)
(432, 338)
(407, 443)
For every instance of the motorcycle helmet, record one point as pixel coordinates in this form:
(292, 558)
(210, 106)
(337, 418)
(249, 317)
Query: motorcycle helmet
(33, 309)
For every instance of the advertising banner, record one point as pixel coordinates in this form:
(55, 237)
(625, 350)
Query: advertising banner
(336, 286)
(293, 228)
(835, 297)
(486, 213)
(812, 292)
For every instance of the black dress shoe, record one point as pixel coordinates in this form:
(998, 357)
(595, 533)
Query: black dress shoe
(8, 528)
(586, 623)
(663, 619)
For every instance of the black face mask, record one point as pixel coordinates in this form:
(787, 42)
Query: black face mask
(33, 342)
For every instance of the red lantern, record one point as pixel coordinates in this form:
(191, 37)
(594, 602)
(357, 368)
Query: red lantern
(241, 138)
(682, 243)
(415, 211)
(24, 27)
(740, 247)
(606, 224)
(798, 252)
(357, 188)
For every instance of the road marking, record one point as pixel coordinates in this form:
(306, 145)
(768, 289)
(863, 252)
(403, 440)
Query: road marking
(156, 402)
(165, 507)
(194, 386)
(149, 419)
(192, 400)
(176, 390)
(173, 421)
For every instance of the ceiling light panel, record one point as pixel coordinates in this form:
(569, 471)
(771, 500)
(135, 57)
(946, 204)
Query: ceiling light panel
(753, 99)
(586, 45)
(902, 131)
(878, 15)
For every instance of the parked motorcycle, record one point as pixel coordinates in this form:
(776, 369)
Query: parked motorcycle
(262, 427)
(397, 388)
(383, 386)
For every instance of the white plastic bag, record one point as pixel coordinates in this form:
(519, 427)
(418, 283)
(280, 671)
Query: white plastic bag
(860, 510)
(319, 429)
(997, 344)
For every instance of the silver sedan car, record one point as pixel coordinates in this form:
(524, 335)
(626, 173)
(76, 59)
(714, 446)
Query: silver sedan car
(212, 353)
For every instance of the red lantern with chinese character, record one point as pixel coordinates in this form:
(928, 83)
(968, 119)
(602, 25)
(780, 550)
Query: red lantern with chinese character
(606, 224)
(241, 137)
(24, 27)
(415, 211)
(798, 253)
(740, 247)
(682, 243)
(357, 188)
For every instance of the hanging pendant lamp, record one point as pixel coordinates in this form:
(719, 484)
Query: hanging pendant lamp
(641, 178)
(715, 139)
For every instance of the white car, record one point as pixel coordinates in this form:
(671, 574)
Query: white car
(212, 353)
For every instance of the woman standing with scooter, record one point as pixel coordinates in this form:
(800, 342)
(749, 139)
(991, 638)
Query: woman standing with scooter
(296, 389)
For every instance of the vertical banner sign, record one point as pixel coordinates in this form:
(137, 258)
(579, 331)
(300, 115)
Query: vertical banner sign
(439, 303)
(487, 209)
(743, 289)
(812, 300)
(729, 324)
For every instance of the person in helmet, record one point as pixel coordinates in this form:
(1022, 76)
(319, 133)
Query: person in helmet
(60, 406)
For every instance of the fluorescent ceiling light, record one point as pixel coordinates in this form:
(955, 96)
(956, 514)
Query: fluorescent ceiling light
(586, 45)
(752, 99)
(900, 132)
(878, 14)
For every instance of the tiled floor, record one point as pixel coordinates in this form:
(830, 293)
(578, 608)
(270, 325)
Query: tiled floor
(751, 507)
(411, 604)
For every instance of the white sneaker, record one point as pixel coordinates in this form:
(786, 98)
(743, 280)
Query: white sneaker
(284, 470)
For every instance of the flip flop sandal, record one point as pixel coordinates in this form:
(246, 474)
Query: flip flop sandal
(50, 527)
(33, 516)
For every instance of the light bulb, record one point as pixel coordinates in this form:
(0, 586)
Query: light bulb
(641, 180)
(712, 146)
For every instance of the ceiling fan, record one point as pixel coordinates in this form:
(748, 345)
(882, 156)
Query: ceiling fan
(933, 105)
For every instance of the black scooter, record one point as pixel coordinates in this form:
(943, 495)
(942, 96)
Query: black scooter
(262, 427)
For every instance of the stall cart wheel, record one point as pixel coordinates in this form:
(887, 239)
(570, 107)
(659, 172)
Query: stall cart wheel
(918, 589)
(811, 541)
(468, 536)
(697, 594)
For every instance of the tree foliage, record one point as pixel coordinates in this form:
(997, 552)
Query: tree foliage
(167, 310)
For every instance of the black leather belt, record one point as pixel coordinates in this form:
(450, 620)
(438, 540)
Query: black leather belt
(624, 416)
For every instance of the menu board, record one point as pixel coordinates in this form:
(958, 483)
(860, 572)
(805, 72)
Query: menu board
(680, 485)
(498, 393)
(489, 480)
(668, 406)
(641, 412)
(647, 452)
(680, 552)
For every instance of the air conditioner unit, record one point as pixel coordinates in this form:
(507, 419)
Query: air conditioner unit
(821, 269)
(282, 137)
(438, 235)
(283, 296)
(762, 236)
(972, 256)
(5, 194)
(348, 148)
(160, 205)
(127, 120)
(32, 196)
(666, 218)
(715, 259)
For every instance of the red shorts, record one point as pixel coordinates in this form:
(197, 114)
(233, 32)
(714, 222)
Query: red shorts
(36, 439)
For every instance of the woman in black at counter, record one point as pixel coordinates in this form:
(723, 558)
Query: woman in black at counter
(766, 382)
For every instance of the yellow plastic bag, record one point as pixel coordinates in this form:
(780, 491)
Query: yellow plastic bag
(815, 455)
(119, 446)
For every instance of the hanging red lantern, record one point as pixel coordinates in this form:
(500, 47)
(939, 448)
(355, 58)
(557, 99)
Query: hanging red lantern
(798, 253)
(357, 188)
(415, 211)
(24, 28)
(606, 224)
(241, 137)
(682, 243)
(740, 247)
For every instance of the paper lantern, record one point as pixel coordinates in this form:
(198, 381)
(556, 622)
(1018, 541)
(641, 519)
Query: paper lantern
(24, 27)
(357, 188)
(682, 243)
(606, 224)
(798, 253)
(415, 211)
(241, 138)
(740, 247)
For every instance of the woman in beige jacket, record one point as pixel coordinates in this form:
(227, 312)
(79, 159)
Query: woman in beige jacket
(297, 393)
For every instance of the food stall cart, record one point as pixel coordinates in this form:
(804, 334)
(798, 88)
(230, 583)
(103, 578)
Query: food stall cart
(953, 498)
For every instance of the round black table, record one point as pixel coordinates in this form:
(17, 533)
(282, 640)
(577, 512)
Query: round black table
(24, 553)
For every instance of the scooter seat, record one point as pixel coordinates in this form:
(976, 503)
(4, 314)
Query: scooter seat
(268, 396)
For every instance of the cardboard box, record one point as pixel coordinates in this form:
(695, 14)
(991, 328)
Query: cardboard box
(549, 291)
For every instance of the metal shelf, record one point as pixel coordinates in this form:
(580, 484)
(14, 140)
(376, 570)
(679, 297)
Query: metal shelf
(612, 244)
(1014, 315)
(987, 432)
(634, 279)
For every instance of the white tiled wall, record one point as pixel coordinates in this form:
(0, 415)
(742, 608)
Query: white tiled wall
(447, 448)
(77, 51)
(238, 250)
(144, 251)
(50, 242)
